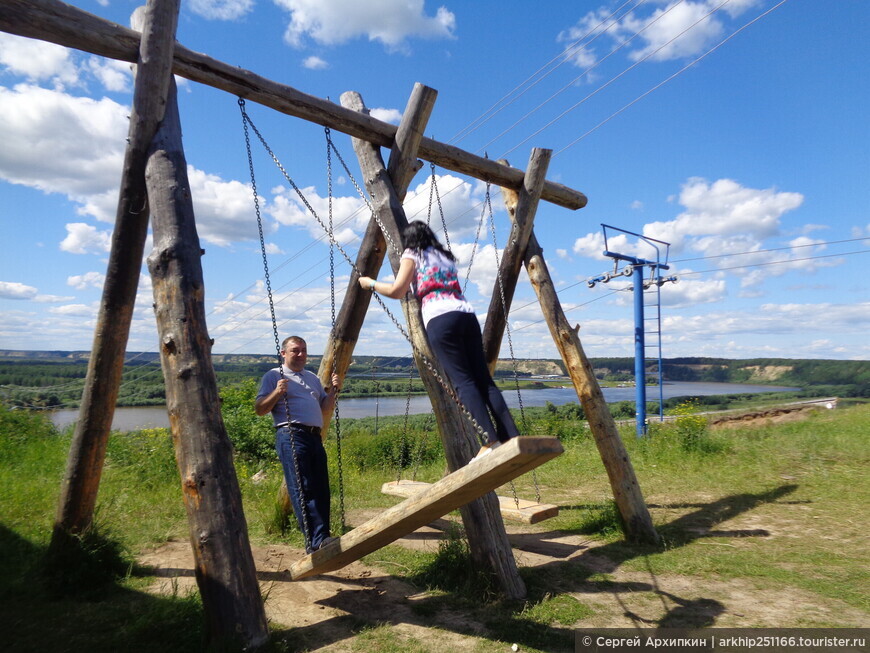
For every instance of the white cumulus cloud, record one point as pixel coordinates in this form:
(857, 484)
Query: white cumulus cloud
(79, 310)
(115, 75)
(350, 214)
(15, 290)
(224, 209)
(726, 223)
(86, 280)
(660, 31)
(390, 22)
(58, 143)
(38, 60)
(83, 238)
(315, 63)
(221, 9)
(393, 116)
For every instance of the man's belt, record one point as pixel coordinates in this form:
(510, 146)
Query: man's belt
(313, 430)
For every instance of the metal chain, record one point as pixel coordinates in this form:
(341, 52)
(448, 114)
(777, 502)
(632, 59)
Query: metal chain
(486, 203)
(431, 197)
(424, 440)
(377, 398)
(504, 309)
(301, 491)
(334, 341)
(428, 363)
(434, 186)
(393, 247)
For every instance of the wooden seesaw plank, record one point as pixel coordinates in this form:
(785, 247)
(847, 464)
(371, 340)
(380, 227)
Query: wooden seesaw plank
(512, 459)
(521, 510)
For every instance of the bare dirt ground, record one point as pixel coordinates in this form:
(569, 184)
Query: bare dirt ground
(327, 612)
(773, 415)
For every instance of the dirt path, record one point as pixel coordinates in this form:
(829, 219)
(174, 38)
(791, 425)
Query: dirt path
(327, 612)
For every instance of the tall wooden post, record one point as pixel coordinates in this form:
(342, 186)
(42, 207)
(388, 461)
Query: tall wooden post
(81, 481)
(623, 481)
(403, 166)
(525, 204)
(224, 565)
(481, 518)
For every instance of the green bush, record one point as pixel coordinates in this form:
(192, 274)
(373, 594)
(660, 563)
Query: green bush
(689, 427)
(454, 570)
(148, 453)
(252, 436)
(84, 565)
(390, 448)
(622, 409)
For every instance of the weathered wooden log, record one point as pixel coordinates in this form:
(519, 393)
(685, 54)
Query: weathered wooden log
(523, 220)
(370, 256)
(403, 164)
(57, 22)
(623, 481)
(223, 562)
(483, 524)
(81, 481)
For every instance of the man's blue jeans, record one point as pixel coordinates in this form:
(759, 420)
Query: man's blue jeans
(312, 498)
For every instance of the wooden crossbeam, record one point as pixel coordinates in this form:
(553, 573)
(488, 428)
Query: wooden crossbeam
(512, 459)
(57, 22)
(527, 512)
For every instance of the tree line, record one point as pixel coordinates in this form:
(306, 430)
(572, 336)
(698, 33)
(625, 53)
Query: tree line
(45, 381)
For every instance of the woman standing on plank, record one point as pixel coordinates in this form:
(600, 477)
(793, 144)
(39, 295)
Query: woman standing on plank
(452, 327)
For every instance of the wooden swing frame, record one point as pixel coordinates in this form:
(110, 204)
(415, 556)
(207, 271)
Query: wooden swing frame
(223, 561)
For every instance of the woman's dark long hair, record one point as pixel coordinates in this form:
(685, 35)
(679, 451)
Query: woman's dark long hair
(417, 235)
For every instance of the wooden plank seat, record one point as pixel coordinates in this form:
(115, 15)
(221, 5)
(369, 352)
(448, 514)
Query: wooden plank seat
(512, 459)
(520, 510)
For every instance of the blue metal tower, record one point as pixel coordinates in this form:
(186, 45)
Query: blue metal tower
(634, 268)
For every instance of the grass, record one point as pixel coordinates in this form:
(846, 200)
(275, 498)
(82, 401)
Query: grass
(777, 509)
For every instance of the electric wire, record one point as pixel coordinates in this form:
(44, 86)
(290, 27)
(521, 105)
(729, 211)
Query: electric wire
(665, 81)
(771, 249)
(597, 63)
(564, 56)
(617, 77)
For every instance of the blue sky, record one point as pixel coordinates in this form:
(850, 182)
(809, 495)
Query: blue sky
(735, 130)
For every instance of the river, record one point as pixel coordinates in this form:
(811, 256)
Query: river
(139, 417)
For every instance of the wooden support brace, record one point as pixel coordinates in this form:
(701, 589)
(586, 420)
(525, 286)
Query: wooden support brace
(403, 165)
(87, 454)
(522, 207)
(623, 481)
(484, 526)
(505, 463)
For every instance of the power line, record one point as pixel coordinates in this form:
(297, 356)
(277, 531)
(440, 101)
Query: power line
(613, 79)
(487, 115)
(660, 84)
(564, 58)
(686, 274)
(588, 70)
(771, 249)
(766, 263)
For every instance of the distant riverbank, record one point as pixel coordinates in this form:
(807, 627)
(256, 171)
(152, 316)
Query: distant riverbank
(140, 417)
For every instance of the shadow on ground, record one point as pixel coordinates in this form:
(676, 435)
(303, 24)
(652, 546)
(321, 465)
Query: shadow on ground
(388, 603)
(106, 618)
